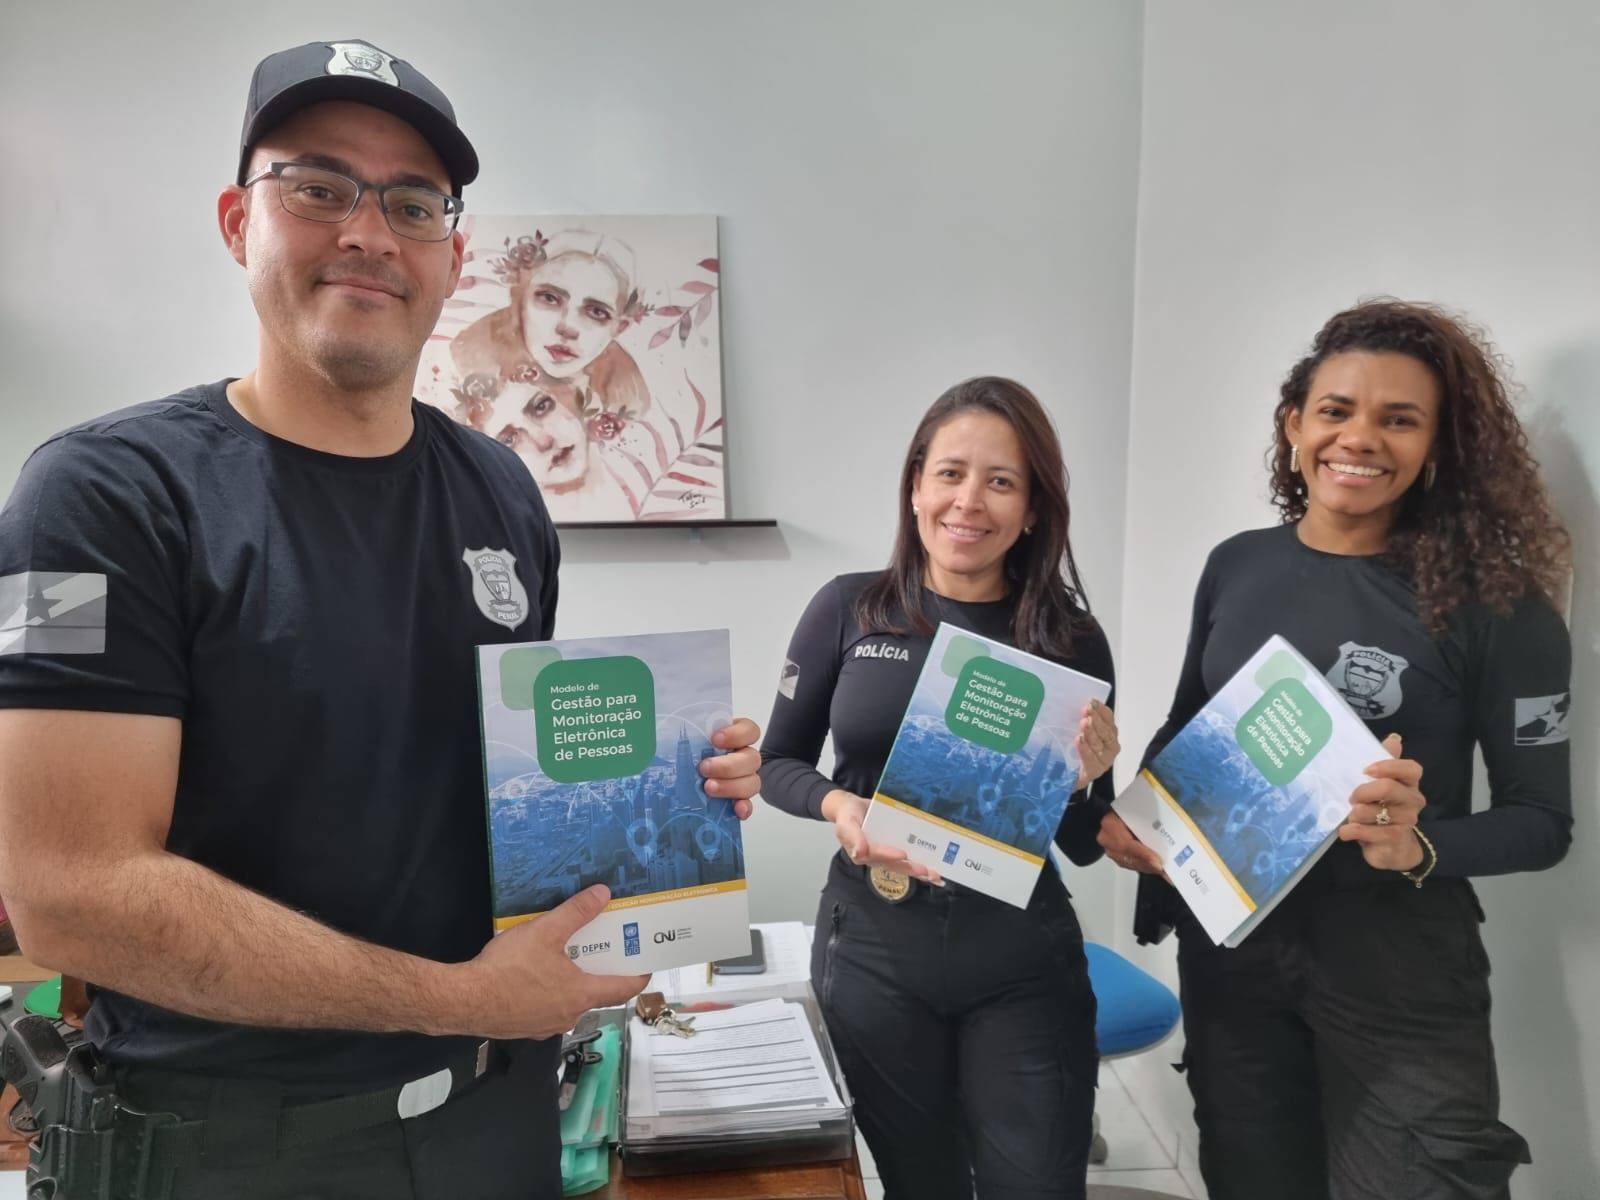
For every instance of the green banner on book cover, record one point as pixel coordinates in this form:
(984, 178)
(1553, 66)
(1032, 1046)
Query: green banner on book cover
(994, 704)
(1283, 731)
(594, 718)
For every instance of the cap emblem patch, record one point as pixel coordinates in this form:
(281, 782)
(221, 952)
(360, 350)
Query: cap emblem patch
(358, 58)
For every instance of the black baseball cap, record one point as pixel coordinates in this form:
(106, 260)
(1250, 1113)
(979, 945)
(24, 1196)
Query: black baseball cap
(358, 71)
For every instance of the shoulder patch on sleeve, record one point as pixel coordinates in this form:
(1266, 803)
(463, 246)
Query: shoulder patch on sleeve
(788, 678)
(53, 612)
(1541, 720)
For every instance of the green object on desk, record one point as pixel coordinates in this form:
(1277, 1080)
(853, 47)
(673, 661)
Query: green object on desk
(584, 1170)
(45, 1000)
(589, 1125)
(591, 1115)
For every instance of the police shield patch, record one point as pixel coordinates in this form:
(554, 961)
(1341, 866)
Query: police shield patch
(53, 612)
(358, 58)
(1541, 720)
(1369, 680)
(495, 586)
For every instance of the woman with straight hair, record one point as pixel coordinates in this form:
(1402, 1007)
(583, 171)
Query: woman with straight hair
(1342, 1051)
(965, 1025)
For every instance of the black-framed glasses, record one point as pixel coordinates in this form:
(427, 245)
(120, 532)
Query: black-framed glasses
(318, 194)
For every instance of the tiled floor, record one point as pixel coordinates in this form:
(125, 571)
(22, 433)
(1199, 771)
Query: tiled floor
(1137, 1158)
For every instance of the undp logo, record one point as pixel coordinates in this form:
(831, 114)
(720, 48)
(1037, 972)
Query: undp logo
(1184, 855)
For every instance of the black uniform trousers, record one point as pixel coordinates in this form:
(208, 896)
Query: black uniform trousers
(498, 1139)
(1342, 1051)
(965, 1027)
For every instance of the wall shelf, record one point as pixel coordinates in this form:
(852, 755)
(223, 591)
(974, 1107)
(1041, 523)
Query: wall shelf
(718, 523)
(696, 528)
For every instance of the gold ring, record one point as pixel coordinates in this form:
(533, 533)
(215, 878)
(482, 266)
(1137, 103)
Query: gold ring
(1383, 815)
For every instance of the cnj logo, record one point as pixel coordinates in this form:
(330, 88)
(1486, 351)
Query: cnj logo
(951, 851)
(973, 864)
(1184, 855)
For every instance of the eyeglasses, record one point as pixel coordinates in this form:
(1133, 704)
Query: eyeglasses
(418, 213)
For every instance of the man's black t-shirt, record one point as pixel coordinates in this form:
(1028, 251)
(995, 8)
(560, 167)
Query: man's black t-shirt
(310, 618)
(856, 683)
(1498, 681)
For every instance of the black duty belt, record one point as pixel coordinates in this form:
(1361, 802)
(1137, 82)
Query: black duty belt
(299, 1125)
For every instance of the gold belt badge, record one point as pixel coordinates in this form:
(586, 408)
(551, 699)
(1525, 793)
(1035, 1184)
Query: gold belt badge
(891, 885)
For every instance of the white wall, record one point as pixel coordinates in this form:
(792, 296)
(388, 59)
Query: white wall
(908, 196)
(911, 194)
(1296, 156)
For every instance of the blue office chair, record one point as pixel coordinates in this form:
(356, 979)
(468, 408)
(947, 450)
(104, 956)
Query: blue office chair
(1136, 1011)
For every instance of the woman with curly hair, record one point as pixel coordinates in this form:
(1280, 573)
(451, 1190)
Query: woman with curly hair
(1343, 1049)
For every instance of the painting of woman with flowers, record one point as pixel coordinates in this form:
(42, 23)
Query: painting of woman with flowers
(590, 346)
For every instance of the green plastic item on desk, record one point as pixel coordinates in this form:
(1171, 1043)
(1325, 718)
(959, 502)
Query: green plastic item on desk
(584, 1170)
(589, 1125)
(45, 1000)
(590, 1120)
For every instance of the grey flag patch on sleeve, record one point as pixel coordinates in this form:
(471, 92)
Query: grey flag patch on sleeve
(53, 612)
(788, 678)
(1542, 720)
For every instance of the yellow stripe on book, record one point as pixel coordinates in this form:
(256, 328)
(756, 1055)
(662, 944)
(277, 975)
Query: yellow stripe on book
(908, 809)
(689, 893)
(1199, 837)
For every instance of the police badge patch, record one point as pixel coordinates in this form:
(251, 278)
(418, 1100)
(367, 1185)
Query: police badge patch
(495, 586)
(358, 58)
(1369, 680)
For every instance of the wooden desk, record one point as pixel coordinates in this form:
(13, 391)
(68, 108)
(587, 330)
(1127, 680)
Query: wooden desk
(810, 1181)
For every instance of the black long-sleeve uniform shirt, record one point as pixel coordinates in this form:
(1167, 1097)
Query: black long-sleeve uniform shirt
(1498, 681)
(856, 683)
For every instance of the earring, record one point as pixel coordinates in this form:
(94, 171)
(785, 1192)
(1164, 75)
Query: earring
(1294, 460)
(1027, 529)
(915, 510)
(1428, 474)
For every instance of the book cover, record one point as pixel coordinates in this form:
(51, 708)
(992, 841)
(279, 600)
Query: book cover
(984, 763)
(591, 757)
(1250, 793)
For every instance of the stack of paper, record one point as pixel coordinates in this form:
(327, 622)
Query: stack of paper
(752, 1069)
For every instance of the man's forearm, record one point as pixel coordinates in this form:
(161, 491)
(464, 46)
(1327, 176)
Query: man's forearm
(174, 933)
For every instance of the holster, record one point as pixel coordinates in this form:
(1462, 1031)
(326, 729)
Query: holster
(18, 1130)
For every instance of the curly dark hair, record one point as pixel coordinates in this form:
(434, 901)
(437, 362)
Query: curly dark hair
(1039, 567)
(1485, 531)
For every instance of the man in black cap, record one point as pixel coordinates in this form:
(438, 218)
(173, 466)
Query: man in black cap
(240, 777)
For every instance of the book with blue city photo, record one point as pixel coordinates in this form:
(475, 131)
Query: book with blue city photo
(984, 763)
(591, 754)
(1251, 792)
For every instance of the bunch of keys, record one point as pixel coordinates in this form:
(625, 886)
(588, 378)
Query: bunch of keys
(653, 1011)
